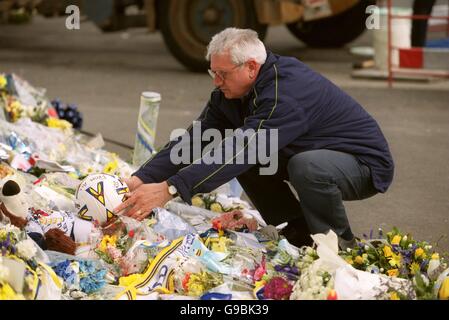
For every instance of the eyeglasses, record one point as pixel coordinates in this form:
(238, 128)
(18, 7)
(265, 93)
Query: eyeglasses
(222, 74)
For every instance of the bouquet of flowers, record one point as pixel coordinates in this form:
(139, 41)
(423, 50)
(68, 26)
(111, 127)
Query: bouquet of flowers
(236, 221)
(123, 246)
(314, 282)
(19, 99)
(196, 284)
(81, 277)
(277, 273)
(399, 255)
(192, 278)
(217, 202)
(18, 252)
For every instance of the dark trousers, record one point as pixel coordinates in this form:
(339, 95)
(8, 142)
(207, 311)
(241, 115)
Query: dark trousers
(419, 26)
(322, 180)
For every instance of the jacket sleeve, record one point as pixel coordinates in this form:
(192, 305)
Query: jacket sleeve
(276, 111)
(160, 167)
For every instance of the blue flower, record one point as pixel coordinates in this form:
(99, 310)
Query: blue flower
(65, 271)
(93, 282)
(92, 278)
(87, 267)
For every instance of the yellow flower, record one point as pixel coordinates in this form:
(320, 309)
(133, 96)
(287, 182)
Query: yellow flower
(387, 251)
(195, 285)
(435, 256)
(394, 296)
(419, 252)
(259, 283)
(3, 81)
(393, 272)
(443, 294)
(358, 260)
(395, 260)
(106, 241)
(396, 239)
(197, 202)
(58, 123)
(110, 167)
(14, 109)
(414, 267)
(349, 260)
(216, 207)
(220, 245)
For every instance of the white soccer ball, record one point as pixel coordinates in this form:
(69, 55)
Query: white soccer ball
(98, 195)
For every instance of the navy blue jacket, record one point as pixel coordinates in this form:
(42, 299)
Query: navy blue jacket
(310, 113)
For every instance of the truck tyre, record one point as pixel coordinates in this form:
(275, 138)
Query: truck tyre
(333, 31)
(188, 26)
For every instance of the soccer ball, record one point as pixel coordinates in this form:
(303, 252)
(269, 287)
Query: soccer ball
(98, 195)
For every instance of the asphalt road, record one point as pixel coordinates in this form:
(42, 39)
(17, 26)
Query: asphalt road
(104, 75)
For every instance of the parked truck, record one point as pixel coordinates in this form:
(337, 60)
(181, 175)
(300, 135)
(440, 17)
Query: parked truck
(188, 25)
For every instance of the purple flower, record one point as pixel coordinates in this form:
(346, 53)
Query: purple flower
(278, 268)
(423, 264)
(290, 272)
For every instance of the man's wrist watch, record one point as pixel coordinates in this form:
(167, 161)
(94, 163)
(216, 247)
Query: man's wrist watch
(172, 190)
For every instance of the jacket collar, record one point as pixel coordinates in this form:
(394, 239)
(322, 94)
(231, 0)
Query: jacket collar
(271, 59)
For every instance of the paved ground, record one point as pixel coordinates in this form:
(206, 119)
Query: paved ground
(105, 73)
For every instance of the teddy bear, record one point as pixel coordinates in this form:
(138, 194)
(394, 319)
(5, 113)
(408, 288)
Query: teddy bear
(51, 229)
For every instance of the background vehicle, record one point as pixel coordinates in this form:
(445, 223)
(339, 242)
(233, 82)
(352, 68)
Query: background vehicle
(188, 25)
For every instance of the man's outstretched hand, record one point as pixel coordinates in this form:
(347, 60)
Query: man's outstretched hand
(144, 198)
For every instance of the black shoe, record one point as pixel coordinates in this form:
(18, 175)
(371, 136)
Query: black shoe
(345, 244)
(297, 234)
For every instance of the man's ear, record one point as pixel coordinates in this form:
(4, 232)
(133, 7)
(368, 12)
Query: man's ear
(253, 68)
(252, 65)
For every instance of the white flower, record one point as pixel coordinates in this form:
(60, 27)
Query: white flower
(382, 270)
(348, 249)
(366, 247)
(26, 249)
(428, 247)
(404, 238)
(310, 285)
(410, 245)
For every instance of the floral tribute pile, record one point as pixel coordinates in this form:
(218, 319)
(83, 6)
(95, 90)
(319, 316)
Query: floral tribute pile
(214, 249)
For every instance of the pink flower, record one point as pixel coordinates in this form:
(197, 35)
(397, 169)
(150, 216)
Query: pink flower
(277, 288)
(260, 270)
(114, 253)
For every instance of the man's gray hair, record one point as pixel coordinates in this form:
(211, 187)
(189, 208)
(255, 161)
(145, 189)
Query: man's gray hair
(242, 44)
